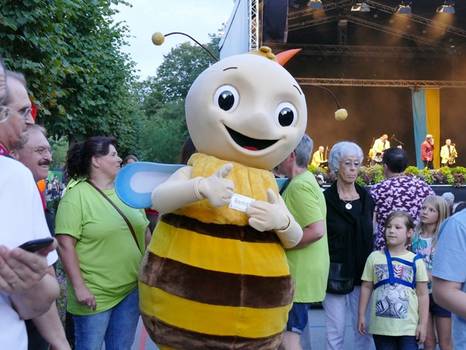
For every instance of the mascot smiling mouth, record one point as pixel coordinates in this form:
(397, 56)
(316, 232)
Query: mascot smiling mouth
(248, 142)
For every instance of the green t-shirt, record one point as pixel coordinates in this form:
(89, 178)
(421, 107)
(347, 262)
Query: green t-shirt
(308, 265)
(109, 258)
(394, 309)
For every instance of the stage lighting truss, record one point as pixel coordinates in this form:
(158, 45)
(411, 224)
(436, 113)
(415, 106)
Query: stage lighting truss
(360, 6)
(404, 8)
(302, 19)
(315, 4)
(448, 7)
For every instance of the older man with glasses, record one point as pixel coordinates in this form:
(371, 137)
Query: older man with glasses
(36, 154)
(26, 288)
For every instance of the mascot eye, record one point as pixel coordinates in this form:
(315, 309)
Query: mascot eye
(286, 114)
(226, 97)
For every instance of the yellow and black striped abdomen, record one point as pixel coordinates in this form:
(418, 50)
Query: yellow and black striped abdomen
(212, 286)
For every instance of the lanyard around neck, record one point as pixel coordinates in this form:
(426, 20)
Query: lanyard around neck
(4, 151)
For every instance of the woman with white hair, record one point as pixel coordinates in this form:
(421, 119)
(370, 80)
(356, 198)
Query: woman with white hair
(350, 235)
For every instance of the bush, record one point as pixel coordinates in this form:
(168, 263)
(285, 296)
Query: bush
(426, 175)
(374, 174)
(412, 170)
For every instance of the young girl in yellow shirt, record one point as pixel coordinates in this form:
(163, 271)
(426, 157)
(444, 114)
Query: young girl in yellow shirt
(397, 280)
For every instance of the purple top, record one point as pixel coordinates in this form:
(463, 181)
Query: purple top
(397, 193)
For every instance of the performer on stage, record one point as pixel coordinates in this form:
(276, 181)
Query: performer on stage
(319, 158)
(376, 152)
(448, 154)
(427, 152)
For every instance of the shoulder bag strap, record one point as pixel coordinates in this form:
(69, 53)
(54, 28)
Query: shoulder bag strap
(119, 212)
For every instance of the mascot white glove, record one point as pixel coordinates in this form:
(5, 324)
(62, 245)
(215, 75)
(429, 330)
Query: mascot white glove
(274, 215)
(216, 188)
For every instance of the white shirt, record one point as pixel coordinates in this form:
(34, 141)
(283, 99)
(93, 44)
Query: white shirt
(380, 145)
(21, 219)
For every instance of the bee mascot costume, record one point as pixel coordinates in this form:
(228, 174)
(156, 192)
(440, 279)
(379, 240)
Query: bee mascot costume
(215, 275)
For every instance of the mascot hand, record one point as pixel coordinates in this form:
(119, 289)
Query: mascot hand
(274, 215)
(216, 188)
(266, 216)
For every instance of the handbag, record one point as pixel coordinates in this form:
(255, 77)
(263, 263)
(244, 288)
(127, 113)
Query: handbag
(338, 282)
(131, 229)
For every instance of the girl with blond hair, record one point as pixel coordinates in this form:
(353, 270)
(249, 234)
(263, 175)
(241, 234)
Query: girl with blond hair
(434, 211)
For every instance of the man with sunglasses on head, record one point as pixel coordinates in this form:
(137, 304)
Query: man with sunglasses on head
(26, 288)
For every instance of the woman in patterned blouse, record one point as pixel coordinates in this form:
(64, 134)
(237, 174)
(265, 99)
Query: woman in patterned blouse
(397, 192)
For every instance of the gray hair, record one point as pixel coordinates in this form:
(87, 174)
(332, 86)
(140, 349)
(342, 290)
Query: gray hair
(449, 198)
(303, 151)
(19, 77)
(341, 150)
(29, 128)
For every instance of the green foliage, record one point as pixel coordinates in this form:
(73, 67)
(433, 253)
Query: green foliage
(59, 150)
(412, 170)
(69, 52)
(459, 175)
(458, 170)
(370, 175)
(162, 98)
(443, 176)
(176, 74)
(426, 175)
(360, 181)
(164, 134)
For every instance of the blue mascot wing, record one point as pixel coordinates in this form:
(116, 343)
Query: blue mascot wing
(136, 181)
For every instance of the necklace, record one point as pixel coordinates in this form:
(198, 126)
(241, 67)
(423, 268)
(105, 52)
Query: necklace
(350, 197)
(348, 202)
(348, 205)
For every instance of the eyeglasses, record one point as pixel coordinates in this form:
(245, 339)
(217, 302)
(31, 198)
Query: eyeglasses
(26, 113)
(42, 150)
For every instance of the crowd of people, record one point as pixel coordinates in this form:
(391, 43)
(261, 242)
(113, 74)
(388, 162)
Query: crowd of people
(382, 248)
(390, 256)
(54, 189)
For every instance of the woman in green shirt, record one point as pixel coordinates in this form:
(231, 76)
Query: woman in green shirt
(101, 243)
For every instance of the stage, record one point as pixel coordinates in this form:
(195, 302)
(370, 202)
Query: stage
(400, 75)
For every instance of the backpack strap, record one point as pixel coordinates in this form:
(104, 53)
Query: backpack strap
(391, 275)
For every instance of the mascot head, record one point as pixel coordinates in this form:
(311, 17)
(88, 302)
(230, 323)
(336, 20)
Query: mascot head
(248, 109)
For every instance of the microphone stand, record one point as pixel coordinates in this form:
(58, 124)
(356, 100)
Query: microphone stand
(396, 140)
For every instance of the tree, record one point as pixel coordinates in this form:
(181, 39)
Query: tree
(164, 134)
(69, 52)
(162, 99)
(59, 150)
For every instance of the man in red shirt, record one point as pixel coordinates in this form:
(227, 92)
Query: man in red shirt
(427, 152)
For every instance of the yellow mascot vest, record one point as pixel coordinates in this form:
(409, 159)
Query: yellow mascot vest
(211, 281)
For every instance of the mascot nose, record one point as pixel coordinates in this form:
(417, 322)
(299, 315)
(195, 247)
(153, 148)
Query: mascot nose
(260, 123)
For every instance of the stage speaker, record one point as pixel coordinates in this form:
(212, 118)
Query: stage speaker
(275, 21)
